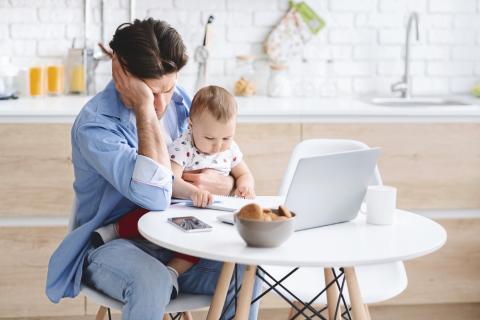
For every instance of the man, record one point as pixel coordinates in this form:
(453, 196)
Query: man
(120, 159)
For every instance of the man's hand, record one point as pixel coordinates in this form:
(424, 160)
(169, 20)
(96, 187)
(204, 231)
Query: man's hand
(211, 180)
(201, 198)
(245, 191)
(137, 95)
(134, 92)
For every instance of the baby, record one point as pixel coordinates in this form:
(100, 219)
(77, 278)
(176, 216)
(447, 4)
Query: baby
(208, 144)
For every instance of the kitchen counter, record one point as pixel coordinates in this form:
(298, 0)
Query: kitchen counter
(64, 109)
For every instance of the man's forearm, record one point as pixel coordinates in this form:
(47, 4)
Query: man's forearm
(151, 142)
(223, 186)
(182, 189)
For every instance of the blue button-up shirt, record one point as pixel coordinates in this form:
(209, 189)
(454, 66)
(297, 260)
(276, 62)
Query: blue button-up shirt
(110, 178)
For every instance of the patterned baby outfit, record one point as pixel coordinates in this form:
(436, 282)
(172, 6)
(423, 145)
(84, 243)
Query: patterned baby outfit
(184, 152)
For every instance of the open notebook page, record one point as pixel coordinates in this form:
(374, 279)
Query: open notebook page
(226, 203)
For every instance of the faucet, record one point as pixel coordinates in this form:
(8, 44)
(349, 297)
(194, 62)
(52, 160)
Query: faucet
(91, 57)
(404, 85)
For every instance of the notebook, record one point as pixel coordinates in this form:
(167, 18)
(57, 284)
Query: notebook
(223, 203)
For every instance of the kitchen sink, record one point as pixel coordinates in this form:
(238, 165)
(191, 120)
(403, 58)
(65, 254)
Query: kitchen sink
(415, 102)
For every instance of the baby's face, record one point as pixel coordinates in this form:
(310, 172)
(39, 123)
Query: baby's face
(210, 135)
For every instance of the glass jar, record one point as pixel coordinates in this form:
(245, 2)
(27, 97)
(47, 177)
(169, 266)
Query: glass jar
(245, 85)
(75, 71)
(8, 74)
(278, 82)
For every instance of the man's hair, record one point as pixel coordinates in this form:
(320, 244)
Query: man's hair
(216, 100)
(149, 48)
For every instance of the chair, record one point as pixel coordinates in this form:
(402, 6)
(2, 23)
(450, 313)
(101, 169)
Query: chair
(183, 304)
(377, 282)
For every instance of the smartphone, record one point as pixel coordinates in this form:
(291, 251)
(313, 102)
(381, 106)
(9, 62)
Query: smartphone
(190, 224)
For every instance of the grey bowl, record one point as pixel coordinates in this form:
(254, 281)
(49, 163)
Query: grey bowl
(265, 234)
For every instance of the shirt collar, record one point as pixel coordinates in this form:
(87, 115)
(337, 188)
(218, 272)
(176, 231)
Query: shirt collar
(112, 105)
(177, 96)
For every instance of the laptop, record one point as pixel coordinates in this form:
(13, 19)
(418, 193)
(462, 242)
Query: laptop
(329, 188)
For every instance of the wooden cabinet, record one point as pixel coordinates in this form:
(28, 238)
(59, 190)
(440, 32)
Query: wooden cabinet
(267, 148)
(446, 276)
(35, 169)
(434, 166)
(25, 252)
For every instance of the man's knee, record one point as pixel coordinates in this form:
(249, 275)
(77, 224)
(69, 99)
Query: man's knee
(121, 266)
(149, 280)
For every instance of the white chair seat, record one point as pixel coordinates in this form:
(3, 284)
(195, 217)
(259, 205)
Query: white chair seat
(182, 303)
(377, 283)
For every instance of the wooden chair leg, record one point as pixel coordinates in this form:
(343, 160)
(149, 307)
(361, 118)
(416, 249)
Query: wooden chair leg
(245, 294)
(332, 294)
(356, 302)
(101, 313)
(187, 316)
(294, 311)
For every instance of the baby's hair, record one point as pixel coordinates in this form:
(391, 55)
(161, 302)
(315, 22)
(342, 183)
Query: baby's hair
(216, 100)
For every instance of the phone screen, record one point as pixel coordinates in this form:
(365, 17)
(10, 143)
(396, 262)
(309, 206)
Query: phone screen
(190, 224)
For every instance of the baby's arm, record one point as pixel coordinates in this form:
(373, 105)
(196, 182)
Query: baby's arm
(244, 182)
(185, 190)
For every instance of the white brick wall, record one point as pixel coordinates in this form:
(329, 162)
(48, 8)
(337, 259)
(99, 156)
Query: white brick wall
(364, 38)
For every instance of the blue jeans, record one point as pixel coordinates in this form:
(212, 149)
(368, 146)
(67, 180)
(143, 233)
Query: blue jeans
(134, 273)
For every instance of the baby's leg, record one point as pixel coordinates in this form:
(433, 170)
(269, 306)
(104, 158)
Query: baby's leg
(126, 227)
(179, 264)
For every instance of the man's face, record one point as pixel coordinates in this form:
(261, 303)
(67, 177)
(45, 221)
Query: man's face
(162, 89)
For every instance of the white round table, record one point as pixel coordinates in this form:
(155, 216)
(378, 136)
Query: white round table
(346, 245)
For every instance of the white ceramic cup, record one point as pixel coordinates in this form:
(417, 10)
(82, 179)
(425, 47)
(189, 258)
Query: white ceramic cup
(381, 203)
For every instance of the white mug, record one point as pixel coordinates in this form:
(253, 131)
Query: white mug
(381, 203)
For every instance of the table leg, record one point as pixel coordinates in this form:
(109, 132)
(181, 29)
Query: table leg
(218, 300)
(358, 308)
(245, 294)
(367, 311)
(332, 294)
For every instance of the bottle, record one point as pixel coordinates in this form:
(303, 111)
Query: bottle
(278, 82)
(329, 86)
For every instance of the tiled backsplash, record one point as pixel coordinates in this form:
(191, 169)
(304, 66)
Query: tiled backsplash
(364, 39)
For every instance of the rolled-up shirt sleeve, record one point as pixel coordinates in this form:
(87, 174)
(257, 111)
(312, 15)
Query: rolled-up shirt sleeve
(150, 172)
(138, 178)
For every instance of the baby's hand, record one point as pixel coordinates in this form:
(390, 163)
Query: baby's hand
(201, 198)
(245, 191)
